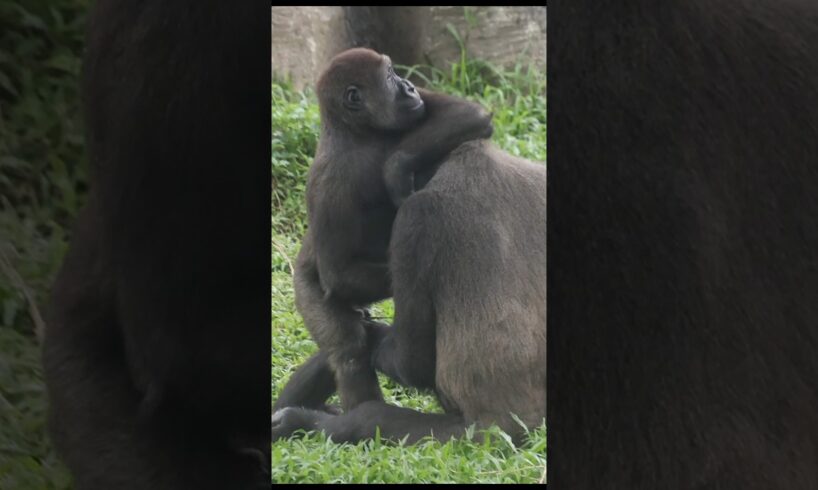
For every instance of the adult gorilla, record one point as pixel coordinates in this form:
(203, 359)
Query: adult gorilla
(157, 350)
(683, 254)
(467, 258)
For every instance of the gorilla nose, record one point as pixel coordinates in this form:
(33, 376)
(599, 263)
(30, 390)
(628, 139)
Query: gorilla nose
(407, 88)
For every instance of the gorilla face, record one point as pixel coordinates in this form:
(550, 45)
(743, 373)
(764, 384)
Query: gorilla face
(362, 89)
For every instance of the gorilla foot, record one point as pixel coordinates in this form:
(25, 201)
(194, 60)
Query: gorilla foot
(287, 421)
(332, 409)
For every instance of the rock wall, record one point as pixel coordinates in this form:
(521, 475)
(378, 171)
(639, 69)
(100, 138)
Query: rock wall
(305, 38)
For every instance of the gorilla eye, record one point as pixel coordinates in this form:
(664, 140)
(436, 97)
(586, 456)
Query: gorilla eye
(352, 96)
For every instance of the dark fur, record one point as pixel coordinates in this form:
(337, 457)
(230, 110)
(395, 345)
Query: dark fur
(468, 267)
(157, 350)
(342, 266)
(683, 245)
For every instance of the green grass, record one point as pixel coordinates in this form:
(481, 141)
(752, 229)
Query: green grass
(517, 99)
(314, 459)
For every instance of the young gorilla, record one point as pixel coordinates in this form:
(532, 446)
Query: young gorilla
(364, 162)
(683, 254)
(469, 279)
(157, 351)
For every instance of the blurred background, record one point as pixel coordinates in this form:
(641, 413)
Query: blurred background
(42, 186)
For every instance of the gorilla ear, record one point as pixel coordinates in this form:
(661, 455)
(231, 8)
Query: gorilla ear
(352, 98)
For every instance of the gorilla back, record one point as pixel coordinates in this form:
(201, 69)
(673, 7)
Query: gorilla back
(468, 259)
(683, 244)
(157, 350)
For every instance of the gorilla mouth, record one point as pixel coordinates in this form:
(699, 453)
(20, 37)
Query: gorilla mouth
(416, 107)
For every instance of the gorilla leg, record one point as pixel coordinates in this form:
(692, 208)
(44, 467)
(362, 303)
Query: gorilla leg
(338, 329)
(314, 381)
(361, 423)
(406, 351)
(309, 386)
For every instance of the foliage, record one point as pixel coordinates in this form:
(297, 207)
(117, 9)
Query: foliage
(295, 123)
(515, 97)
(26, 458)
(42, 185)
(42, 167)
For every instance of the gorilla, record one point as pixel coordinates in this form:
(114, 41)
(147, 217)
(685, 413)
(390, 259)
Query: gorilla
(377, 131)
(683, 245)
(156, 356)
(466, 267)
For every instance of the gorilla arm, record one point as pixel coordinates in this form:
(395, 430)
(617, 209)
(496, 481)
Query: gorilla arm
(449, 122)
